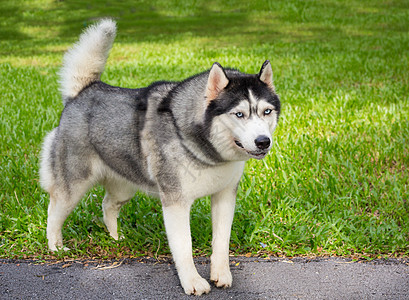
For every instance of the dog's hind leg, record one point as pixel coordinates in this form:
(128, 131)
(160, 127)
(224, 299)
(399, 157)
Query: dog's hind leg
(118, 192)
(62, 203)
(63, 196)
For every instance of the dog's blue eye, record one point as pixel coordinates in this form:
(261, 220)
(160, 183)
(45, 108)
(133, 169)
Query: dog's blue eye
(239, 115)
(267, 111)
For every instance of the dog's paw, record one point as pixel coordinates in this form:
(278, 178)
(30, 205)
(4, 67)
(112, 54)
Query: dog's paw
(61, 248)
(221, 277)
(114, 235)
(196, 286)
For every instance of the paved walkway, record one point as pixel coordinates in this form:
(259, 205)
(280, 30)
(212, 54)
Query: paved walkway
(332, 278)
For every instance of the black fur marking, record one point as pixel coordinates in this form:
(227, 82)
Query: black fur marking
(164, 105)
(198, 134)
(262, 68)
(238, 90)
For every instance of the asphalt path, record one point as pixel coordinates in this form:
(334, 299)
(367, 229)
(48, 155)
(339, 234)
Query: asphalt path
(253, 278)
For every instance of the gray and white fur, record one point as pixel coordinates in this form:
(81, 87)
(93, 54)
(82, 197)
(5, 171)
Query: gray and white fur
(178, 141)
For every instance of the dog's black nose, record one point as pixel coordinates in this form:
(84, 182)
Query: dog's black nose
(262, 142)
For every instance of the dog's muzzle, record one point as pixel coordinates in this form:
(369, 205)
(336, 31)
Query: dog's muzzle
(262, 142)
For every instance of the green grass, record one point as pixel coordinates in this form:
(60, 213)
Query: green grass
(336, 181)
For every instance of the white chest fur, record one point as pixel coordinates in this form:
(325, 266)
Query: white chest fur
(198, 183)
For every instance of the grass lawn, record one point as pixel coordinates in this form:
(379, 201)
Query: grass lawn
(336, 181)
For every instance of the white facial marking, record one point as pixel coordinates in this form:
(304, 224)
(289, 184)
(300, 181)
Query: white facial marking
(253, 100)
(234, 133)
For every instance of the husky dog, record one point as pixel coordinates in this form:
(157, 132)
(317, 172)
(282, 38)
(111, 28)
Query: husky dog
(174, 140)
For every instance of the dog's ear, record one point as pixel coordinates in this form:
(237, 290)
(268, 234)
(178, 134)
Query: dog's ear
(216, 82)
(266, 74)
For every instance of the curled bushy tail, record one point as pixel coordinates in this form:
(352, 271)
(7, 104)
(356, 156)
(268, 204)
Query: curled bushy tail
(85, 61)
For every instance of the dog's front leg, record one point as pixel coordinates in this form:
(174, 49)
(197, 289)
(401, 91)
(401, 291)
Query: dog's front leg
(223, 204)
(177, 223)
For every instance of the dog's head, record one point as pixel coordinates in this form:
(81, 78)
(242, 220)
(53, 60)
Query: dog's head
(243, 111)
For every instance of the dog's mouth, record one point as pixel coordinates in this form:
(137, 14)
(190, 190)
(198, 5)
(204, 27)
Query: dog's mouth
(260, 154)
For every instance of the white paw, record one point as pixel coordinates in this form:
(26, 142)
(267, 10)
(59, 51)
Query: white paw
(114, 235)
(196, 285)
(221, 277)
(117, 237)
(59, 248)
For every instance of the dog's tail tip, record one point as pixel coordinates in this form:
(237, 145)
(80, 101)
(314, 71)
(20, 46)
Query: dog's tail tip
(105, 28)
(85, 61)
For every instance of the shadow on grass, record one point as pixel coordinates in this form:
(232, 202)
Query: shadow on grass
(234, 24)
